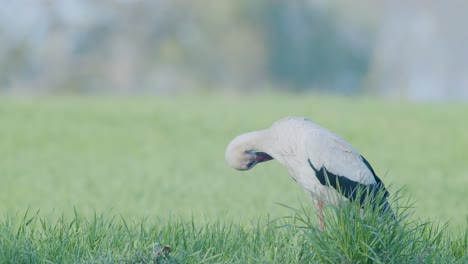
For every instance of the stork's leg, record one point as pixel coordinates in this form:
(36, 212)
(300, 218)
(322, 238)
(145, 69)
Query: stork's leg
(319, 205)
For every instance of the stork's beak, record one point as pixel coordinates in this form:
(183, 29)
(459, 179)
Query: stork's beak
(262, 157)
(259, 157)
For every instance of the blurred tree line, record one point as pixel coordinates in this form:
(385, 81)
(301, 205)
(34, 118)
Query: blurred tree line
(174, 46)
(170, 46)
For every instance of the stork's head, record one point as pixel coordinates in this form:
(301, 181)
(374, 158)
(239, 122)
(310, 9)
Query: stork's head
(247, 150)
(283, 141)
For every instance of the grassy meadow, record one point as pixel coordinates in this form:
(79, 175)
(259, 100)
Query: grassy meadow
(111, 179)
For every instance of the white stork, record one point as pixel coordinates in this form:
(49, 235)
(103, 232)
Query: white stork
(319, 160)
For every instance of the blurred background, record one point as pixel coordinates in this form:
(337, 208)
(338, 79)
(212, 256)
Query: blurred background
(413, 50)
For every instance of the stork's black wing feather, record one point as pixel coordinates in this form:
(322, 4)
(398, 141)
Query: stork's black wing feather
(352, 189)
(377, 179)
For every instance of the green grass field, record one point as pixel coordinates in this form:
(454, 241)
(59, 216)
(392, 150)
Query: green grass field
(163, 158)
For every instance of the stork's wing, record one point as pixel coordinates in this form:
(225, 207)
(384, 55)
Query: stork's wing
(340, 158)
(337, 164)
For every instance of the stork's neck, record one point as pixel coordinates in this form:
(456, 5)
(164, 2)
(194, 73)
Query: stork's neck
(256, 140)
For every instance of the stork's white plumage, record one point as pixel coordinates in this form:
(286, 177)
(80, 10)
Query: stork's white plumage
(318, 159)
